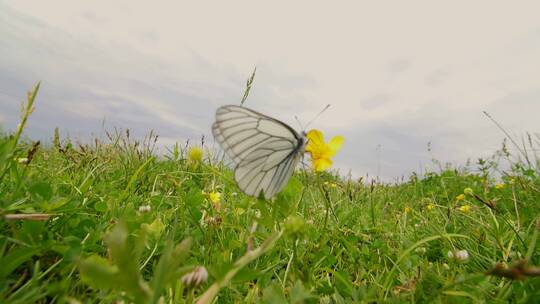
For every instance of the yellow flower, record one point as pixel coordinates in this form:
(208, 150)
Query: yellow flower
(215, 197)
(465, 208)
(320, 151)
(499, 186)
(430, 207)
(468, 191)
(460, 197)
(195, 154)
(408, 210)
(331, 185)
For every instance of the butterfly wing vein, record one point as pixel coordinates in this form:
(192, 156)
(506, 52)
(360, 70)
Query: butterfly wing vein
(264, 150)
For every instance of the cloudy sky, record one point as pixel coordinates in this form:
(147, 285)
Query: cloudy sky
(397, 74)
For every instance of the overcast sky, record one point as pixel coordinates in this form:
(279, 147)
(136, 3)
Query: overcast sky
(397, 74)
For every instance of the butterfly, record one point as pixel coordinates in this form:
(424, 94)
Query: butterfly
(265, 151)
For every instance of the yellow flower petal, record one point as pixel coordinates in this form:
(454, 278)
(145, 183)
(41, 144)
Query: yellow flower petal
(335, 144)
(322, 164)
(465, 208)
(315, 142)
(315, 136)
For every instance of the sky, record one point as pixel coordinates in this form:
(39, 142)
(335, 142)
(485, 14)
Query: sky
(398, 75)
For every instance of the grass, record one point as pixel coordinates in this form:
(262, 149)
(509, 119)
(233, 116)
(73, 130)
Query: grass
(110, 221)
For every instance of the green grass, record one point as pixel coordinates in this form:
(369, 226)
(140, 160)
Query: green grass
(71, 230)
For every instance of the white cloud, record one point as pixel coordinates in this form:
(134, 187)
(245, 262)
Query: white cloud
(398, 74)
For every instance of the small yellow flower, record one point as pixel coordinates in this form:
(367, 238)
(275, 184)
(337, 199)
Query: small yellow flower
(465, 208)
(195, 154)
(331, 185)
(468, 191)
(408, 210)
(499, 186)
(320, 151)
(460, 197)
(215, 197)
(430, 207)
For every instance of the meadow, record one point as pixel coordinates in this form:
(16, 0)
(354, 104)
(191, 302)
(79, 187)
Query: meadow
(111, 221)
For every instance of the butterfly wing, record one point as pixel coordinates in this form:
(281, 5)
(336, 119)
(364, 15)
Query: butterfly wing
(265, 150)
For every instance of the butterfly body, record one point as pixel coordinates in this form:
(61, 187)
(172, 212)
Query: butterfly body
(265, 151)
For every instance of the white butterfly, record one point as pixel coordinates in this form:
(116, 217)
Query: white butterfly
(265, 151)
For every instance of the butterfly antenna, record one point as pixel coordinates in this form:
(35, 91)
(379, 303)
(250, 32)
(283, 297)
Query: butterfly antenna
(317, 116)
(299, 123)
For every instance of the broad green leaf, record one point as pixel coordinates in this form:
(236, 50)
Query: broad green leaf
(122, 256)
(168, 270)
(57, 203)
(15, 258)
(43, 189)
(101, 206)
(273, 294)
(155, 229)
(299, 294)
(98, 273)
